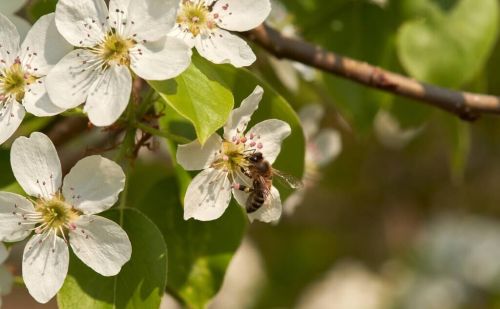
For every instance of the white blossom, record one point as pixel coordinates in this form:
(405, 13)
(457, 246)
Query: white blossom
(322, 147)
(349, 285)
(9, 8)
(222, 159)
(61, 213)
(131, 36)
(205, 24)
(23, 68)
(389, 132)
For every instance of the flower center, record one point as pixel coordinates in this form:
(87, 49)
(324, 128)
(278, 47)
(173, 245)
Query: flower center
(231, 158)
(55, 215)
(115, 49)
(13, 81)
(194, 17)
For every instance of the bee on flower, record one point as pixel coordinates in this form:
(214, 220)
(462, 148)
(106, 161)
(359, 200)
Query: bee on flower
(225, 164)
(61, 213)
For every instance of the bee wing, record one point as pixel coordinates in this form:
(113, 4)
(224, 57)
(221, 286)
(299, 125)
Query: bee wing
(287, 179)
(266, 189)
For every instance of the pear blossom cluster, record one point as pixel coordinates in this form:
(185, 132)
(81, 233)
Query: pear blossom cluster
(89, 54)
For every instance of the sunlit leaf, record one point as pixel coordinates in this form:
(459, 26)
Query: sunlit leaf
(198, 96)
(449, 44)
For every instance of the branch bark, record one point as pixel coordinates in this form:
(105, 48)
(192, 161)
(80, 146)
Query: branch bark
(466, 105)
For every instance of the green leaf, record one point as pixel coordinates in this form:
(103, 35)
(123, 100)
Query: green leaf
(141, 282)
(38, 8)
(199, 97)
(171, 121)
(199, 252)
(449, 44)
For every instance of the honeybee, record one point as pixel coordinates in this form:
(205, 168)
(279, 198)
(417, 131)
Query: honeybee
(262, 174)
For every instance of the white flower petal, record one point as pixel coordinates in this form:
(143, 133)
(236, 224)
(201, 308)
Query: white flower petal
(37, 102)
(22, 25)
(160, 60)
(224, 47)
(293, 201)
(186, 37)
(82, 22)
(93, 184)
(68, 83)
(240, 117)
(240, 196)
(194, 156)
(36, 165)
(101, 244)
(241, 15)
(43, 47)
(268, 136)
(11, 116)
(6, 281)
(152, 19)
(116, 7)
(109, 96)
(286, 73)
(327, 145)
(9, 42)
(310, 118)
(207, 196)
(12, 208)
(270, 211)
(45, 265)
(4, 253)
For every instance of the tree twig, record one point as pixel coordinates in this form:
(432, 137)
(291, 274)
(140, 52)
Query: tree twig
(466, 105)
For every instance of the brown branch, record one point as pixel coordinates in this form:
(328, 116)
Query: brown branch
(466, 105)
(67, 129)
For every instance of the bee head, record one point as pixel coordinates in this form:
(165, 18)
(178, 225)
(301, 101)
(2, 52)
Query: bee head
(256, 157)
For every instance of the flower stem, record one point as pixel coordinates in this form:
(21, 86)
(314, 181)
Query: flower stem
(125, 155)
(75, 112)
(18, 280)
(173, 137)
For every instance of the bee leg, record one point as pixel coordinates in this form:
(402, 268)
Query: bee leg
(241, 187)
(244, 171)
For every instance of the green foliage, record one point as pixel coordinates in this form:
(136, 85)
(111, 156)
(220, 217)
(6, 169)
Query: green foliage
(198, 96)
(199, 252)
(141, 282)
(38, 8)
(449, 45)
